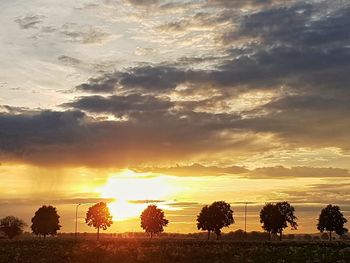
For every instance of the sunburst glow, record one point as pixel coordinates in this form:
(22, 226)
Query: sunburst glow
(134, 191)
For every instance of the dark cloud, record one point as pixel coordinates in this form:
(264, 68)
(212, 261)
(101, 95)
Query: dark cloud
(104, 84)
(247, 3)
(29, 21)
(317, 121)
(303, 24)
(119, 105)
(20, 132)
(151, 78)
(72, 138)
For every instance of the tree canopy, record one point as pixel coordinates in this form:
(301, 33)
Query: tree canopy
(45, 221)
(331, 219)
(99, 216)
(214, 217)
(276, 217)
(153, 220)
(12, 226)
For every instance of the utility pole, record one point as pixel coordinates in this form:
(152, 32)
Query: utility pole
(245, 220)
(76, 221)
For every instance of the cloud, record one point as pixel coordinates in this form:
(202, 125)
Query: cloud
(119, 105)
(143, 51)
(259, 66)
(306, 24)
(157, 6)
(72, 138)
(24, 130)
(70, 61)
(279, 80)
(305, 120)
(247, 3)
(320, 194)
(280, 172)
(300, 54)
(29, 21)
(143, 2)
(201, 21)
(276, 172)
(195, 170)
(151, 78)
(84, 34)
(145, 201)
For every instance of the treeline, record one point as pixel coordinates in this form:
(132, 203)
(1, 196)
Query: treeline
(274, 218)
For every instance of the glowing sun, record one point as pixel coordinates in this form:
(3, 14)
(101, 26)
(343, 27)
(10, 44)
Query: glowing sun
(132, 193)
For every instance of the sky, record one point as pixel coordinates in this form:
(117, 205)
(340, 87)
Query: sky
(177, 103)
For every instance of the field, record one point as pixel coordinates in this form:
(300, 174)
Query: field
(161, 250)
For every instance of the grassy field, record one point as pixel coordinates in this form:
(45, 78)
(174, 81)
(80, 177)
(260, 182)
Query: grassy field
(160, 250)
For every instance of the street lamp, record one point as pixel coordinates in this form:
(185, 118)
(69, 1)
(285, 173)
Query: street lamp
(76, 220)
(245, 220)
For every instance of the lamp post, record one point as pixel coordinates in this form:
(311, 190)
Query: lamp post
(245, 220)
(76, 220)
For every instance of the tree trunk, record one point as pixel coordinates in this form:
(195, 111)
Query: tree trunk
(330, 235)
(280, 235)
(44, 236)
(218, 235)
(151, 234)
(98, 233)
(269, 236)
(208, 234)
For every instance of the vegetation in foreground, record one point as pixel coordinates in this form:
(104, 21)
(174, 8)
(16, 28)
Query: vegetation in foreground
(163, 250)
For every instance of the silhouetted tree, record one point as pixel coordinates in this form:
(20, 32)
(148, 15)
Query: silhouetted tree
(276, 217)
(268, 217)
(12, 226)
(45, 221)
(214, 217)
(287, 217)
(204, 221)
(332, 219)
(153, 220)
(99, 216)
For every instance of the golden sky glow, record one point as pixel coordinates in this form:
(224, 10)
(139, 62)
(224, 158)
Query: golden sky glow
(133, 192)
